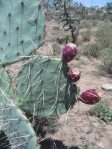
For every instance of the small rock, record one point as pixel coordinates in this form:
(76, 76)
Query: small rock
(107, 87)
(95, 124)
(82, 137)
(100, 146)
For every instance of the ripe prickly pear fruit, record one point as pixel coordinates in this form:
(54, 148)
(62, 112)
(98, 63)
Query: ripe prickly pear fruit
(69, 52)
(73, 76)
(90, 96)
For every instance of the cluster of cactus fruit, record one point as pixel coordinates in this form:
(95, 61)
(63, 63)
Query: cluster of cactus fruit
(90, 96)
(45, 86)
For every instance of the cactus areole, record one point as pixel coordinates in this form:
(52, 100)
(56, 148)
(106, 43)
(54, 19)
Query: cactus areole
(90, 96)
(69, 52)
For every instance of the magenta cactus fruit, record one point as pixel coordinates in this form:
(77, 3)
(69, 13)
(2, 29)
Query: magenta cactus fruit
(90, 96)
(73, 76)
(69, 52)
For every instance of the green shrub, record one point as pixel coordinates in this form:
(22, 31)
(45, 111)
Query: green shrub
(85, 24)
(56, 49)
(63, 40)
(110, 17)
(92, 50)
(103, 111)
(104, 36)
(94, 22)
(107, 60)
(56, 28)
(86, 35)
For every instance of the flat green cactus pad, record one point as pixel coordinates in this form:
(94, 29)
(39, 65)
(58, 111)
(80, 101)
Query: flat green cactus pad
(13, 122)
(22, 29)
(17, 128)
(5, 87)
(41, 87)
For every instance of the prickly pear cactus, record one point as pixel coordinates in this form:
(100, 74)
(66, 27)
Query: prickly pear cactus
(41, 87)
(13, 122)
(5, 87)
(22, 29)
(17, 128)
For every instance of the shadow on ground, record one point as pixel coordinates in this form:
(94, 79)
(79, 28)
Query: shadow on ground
(54, 144)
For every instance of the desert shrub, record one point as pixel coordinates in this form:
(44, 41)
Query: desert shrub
(104, 36)
(63, 40)
(110, 17)
(107, 60)
(60, 40)
(92, 50)
(56, 49)
(56, 28)
(94, 22)
(85, 24)
(103, 111)
(86, 35)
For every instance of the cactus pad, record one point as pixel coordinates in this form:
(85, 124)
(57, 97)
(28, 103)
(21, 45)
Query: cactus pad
(22, 29)
(5, 87)
(17, 128)
(41, 86)
(13, 123)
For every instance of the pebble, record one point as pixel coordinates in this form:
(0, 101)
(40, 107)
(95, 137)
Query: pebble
(95, 124)
(107, 87)
(100, 146)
